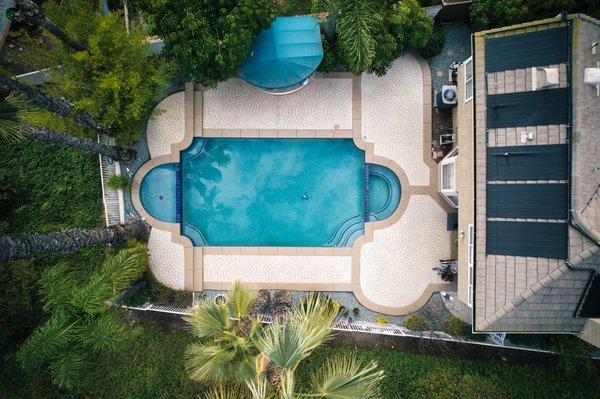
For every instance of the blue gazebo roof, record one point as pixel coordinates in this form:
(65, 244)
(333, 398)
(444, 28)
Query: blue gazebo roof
(285, 54)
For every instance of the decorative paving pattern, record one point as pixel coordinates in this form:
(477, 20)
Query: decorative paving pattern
(166, 126)
(278, 269)
(322, 104)
(392, 117)
(391, 273)
(166, 259)
(396, 268)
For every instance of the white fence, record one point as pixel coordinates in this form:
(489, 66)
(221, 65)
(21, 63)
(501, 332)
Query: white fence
(340, 325)
(114, 208)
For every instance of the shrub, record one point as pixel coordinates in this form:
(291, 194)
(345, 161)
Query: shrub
(455, 326)
(486, 14)
(118, 182)
(381, 320)
(416, 323)
(209, 41)
(452, 384)
(330, 56)
(117, 80)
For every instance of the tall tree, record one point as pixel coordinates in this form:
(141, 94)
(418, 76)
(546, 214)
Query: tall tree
(21, 246)
(80, 323)
(28, 12)
(210, 40)
(52, 104)
(13, 126)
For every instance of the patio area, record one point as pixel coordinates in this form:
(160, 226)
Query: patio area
(389, 268)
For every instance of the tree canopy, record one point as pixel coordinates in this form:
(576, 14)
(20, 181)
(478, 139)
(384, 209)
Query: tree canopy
(209, 40)
(486, 14)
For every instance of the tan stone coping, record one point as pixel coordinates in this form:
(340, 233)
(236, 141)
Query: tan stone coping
(194, 255)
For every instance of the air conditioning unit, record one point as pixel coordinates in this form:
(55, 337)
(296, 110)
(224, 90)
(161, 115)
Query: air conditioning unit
(544, 77)
(447, 97)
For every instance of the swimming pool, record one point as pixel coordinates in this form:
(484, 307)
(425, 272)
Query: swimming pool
(271, 192)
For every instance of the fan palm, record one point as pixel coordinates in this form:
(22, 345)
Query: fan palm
(80, 325)
(13, 113)
(276, 349)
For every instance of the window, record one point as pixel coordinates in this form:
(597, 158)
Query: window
(471, 258)
(468, 64)
(448, 180)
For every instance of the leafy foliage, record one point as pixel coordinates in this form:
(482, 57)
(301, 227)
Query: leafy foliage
(371, 35)
(486, 14)
(354, 28)
(81, 324)
(255, 361)
(117, 80)
(209, 40)
(118, 182)
(416, 323)
(13, 109)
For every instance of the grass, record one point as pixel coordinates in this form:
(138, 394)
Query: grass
(152, 367)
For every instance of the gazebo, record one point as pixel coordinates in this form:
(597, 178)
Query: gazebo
(285, 56)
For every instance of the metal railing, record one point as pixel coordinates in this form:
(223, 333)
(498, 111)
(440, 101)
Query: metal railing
(114, 208)
(340, 325)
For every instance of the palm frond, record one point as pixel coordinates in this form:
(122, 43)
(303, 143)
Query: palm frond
(286, 389)
(209, 319)
(259, 387)
(240, 300)
(68, 371)
(47, 342)
(209, 363)
(314, 316)
(357, 17)
(13, 110)
(224, 393)
(105, 332)
(345, 377)
(57, 287)
(116, 274)
(125, 267)
(281, 342)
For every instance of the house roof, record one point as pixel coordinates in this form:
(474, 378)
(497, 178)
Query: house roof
(533, 263)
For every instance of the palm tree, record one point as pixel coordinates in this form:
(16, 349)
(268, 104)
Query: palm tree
(283, 304)
(354, 29)
(52, 104)
(240, 365)
(28, 12)
(351, 23)
(13, 111)
(20, 246)
(80, 323)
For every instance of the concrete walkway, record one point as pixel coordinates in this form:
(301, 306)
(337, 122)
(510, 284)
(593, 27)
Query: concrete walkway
(389, 268)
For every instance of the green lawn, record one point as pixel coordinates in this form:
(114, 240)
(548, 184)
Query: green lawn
(152, 367)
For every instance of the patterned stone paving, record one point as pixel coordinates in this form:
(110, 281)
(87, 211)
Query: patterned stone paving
(323, 104)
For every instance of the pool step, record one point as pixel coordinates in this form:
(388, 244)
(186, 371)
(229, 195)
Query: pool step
(347, 232)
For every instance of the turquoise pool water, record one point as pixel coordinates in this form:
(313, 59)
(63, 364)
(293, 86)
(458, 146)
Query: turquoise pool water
(271, 192)
(158, 192)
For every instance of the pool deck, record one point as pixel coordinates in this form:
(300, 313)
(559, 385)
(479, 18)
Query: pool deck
(389, 268)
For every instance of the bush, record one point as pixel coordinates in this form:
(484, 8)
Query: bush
(453, 384)
(381, 320)
(486, 14)
(118, 182)
(330, 57)
(210, 40)
(455, 326)
(118, 80)
(416, 323)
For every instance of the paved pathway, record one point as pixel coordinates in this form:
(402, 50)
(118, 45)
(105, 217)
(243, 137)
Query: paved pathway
(394, 267)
